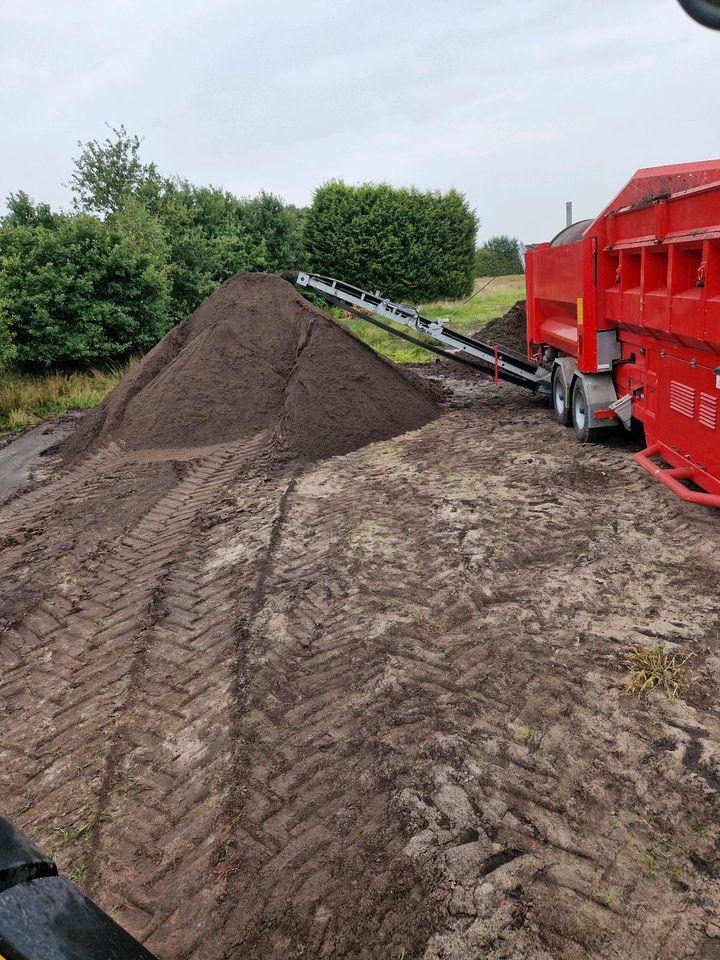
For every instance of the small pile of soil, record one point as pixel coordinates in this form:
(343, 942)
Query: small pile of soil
(256, 356)
(508, 330)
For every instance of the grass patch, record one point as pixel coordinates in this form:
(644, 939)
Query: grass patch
(462, 315)
(651, 669)
(26, 399)
(365, 529)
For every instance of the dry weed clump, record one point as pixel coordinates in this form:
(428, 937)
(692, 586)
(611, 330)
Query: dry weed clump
(651, 669)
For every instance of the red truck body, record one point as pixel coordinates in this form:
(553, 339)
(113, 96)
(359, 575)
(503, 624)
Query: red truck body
(637, 297)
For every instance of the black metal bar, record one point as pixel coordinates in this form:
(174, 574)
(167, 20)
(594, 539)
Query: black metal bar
(505, 354)
(20, 858)
(477, 363)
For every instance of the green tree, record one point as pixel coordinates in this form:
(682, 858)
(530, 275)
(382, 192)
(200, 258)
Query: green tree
(107, 172)
(141, 252)
(409, 244)
(144, 229)
(208, 241)
(498, 257)
(278, 225)
(8, 350)
(202, 234)
(24, 212)
(78, 292)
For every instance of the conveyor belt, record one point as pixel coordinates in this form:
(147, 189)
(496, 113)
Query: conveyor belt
(494, 360)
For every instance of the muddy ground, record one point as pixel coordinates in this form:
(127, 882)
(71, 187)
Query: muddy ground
(370, 709)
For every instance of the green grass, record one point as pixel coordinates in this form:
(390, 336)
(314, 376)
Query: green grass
(27, 399)
(466, 317)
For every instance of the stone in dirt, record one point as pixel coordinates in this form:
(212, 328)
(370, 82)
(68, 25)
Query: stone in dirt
(257, 356)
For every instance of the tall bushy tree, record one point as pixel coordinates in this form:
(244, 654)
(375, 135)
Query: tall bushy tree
(8, 350)
(205, 234)
(278, 225)
(409, 244)
(207, 242)
(24, 212)
(77, 291)
(108, 172)
(498, 257)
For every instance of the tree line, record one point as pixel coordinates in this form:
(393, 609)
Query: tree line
(498, 257)
(138, 251)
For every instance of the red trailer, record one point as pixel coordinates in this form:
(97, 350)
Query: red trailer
(623, 324)
(626, 310)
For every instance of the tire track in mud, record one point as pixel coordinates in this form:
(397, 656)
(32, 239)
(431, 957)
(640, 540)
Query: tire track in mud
(347, 679)
(318, 867)
(470, 694)
(372, 711)
(167, 776)
(89, 659)
(72, 486)
(579, 864)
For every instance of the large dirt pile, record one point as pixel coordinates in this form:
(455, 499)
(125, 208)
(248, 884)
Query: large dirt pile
(508, 330)
(256, 356)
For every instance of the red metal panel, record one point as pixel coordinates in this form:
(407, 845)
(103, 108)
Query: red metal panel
(682, 399)
(648, 267)
(707, 411)
(555, 276)
(687, 421)
(558, 273)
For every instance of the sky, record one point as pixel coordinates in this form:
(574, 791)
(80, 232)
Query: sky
(521, 105)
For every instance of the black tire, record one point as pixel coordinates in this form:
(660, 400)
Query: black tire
(581, 416)
(561, 409)
(706, 12)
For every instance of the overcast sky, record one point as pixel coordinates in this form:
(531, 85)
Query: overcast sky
(521, 104)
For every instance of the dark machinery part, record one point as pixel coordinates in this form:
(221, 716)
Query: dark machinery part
(705, 12)
(499, 363)
(20, 859)
(399, 333)
(570, 234)
(45, 917)
(478, 363)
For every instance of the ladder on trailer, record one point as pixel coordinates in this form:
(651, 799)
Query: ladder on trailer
(498, 362)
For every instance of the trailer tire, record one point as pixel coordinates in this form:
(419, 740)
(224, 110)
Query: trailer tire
(581, 416)
(561, 408)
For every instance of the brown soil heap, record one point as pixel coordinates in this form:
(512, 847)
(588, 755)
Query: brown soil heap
(256, 356)
(508, 330)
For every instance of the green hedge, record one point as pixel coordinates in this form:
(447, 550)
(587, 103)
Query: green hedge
(141, 251)
(76, 292)
(410, 245)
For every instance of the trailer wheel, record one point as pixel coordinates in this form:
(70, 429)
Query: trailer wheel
(561, 409)
(581, 416)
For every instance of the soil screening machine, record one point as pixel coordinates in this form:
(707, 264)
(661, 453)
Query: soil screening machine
(623, 324)
(627, 309)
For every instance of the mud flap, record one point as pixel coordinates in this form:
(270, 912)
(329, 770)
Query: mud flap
(601, 395)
